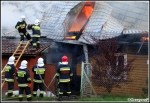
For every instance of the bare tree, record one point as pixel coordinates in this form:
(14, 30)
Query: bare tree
(110, 67)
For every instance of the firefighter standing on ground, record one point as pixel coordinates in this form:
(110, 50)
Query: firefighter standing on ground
(9, 75)
(39, 68)
(24, 81)
(21, 27)
(64, 75)
(36, 33)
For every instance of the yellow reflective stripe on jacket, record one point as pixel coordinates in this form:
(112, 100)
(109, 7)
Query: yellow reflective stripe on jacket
(10, 91)
(41, 92)
(36, 27)
(36, 35)
(7, 68)
(68, 92)
(22, 25)
(21, 34)
(57, 74)
(29, 79)
(39, 70)
(64, 80)
(17, 27)
(20, 95)
(29, 95)
(66, 68)
(71, 74)
(23, 85)
(9, 80)
(60, 92)
(37, 81)
(38, 42)
(34, 92)
(21, 73)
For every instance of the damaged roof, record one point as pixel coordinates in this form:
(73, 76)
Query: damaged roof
(9, 45)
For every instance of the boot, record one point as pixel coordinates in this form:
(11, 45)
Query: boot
(34, 95)
(29, 99)
(33, 48)
(21, 42)
(41, 95)
(20, 99)
(68, 97)
(38, 45)
(60, 98)
(12, 96)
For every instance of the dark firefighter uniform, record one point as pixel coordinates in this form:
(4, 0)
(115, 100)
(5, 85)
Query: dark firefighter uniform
(37, 80)
(23, 78)
(64, 75)
(36, 33)
(9, 77)
(21, 27)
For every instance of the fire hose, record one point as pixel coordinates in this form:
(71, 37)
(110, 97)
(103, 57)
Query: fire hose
(47, 87)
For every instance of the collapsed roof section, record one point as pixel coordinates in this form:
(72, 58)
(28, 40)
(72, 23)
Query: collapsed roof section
(105, 19)
(54, 25)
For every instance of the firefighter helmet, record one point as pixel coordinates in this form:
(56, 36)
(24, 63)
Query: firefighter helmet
(40, 62)
(36, 22)
(22, 18)
(11, 60)
(64, 60)
(24, 64)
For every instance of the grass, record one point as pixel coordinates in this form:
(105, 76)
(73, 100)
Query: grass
(104, 97)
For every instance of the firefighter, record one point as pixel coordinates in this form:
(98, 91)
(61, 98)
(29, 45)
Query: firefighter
(9, 75)
(39, 74)
(36, 33)
(21, 27)
(64, 75)
(24, 81)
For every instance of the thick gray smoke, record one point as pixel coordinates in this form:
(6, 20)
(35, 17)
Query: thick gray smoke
(12, 10)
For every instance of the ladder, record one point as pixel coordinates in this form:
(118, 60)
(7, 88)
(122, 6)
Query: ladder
(17, 54)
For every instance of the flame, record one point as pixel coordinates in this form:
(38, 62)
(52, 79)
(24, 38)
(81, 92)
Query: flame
(145, 39)
(83, 16)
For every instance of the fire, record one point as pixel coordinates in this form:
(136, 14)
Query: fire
(83, 16)
(145, 39)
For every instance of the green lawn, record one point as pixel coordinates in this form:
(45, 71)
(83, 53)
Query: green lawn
(105, 97)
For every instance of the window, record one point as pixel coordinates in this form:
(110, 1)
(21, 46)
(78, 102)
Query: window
(117, 69)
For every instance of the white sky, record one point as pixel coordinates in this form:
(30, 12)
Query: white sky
(10, 12)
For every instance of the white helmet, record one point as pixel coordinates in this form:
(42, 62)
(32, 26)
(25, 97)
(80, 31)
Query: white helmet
(36, 22)
(23, 64)
(11, 60)
(22, 18)
(40, 62)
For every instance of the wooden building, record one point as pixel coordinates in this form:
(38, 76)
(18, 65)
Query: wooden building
(52, 53)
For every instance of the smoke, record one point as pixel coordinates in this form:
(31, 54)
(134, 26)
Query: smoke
(12, 10)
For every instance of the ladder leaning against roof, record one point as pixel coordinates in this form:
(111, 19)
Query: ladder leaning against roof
(17, 54)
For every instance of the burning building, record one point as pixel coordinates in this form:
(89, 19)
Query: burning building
(72, 24)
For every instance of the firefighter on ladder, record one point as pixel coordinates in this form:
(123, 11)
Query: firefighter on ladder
(21, 27)
(64, 75)
(36, 33)
(39, 73)
(24, 81)
(9, 75)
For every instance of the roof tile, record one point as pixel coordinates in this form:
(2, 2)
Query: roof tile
(9, 46)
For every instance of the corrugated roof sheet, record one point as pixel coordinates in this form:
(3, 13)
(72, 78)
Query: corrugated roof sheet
(133, 31)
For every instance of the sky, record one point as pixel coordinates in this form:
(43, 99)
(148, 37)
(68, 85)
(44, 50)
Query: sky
(12, 10)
